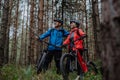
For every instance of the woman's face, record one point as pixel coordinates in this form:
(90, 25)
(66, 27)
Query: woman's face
(73, 25)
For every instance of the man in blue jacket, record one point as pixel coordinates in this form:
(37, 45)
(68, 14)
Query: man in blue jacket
(56, 35)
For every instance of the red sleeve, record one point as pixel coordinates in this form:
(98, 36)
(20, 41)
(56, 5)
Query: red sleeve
(67, 40)
(81, 32)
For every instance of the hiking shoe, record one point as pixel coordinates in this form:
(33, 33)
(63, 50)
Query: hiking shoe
(77, 78)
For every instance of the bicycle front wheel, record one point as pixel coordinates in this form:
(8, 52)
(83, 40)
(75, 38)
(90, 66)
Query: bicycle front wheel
(92, 68)
(65, 65)
(41, 62)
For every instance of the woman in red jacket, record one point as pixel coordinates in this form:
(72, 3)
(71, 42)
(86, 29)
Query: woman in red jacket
(74, 44)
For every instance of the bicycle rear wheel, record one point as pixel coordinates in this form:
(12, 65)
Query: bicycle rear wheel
(66, 67)
(40, 64)
(92, 68)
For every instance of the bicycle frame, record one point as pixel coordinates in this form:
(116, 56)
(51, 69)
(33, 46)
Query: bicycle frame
(78, 57)
(74, 61)
(85, 65)
(41, 60)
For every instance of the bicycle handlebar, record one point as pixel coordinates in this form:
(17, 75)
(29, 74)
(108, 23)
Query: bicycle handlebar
(50, 44)
(81, 38)
(47, 42)
(42, 40)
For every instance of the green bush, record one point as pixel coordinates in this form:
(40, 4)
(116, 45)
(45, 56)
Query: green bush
(13, 72)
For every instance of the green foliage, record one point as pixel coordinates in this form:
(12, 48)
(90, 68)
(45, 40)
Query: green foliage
(13, 72)
(51, 75)
(89, 76)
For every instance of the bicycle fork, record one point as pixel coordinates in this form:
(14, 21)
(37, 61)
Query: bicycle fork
(73, 64)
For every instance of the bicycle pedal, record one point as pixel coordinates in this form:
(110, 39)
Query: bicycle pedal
(75, 69)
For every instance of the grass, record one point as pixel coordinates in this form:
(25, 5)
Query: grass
(13, 72)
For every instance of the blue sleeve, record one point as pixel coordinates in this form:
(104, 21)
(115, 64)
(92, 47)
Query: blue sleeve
(66, 33)
(44, 35)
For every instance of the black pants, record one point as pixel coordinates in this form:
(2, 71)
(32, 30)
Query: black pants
(56, 54)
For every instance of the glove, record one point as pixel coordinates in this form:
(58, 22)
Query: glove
(63, 46)
(36, 37)
(40, 40)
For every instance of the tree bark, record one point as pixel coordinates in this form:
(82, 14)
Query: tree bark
(8, 32)
(40, 25)
(96, 27)
(32, 43)
(0, 5)
(26, 35)
(22, 54)
(14, 48)
(86, 29)
(3, 34)
(110, 31)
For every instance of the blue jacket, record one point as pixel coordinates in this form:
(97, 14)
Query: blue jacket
(56, 37)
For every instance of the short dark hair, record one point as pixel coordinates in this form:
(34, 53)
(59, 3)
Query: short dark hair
(59, 20)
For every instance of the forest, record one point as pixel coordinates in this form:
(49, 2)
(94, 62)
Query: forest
(20, 20)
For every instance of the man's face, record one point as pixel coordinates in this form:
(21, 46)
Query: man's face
(73, 25)
(57, 24)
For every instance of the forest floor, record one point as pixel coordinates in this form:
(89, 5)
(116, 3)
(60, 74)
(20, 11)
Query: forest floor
(16, 72)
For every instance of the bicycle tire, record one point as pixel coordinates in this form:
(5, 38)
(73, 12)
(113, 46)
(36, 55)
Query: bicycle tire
(41, 63)
(85, 56)
(39, 58)
(92, 67)
(64, 67)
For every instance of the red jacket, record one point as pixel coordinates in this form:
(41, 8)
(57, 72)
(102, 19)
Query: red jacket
(77, 44)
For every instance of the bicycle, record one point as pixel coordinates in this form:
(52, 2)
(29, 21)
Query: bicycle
(69, 63)
(91, 65)
(41, 61)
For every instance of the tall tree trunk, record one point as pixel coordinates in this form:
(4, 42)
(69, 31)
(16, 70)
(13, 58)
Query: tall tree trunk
(40, 24)
(9, 24)
(6, 59)
(96, 23)
(11, 41)
(6, 50)
(3, 34)
(110, 32)
(36, 27)
(26, 35)
(0, 4)
(32, 43)
(86, 28)
(0, 9)
(63, 3)
(22, 41)
(14, 48)
(52, 13)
